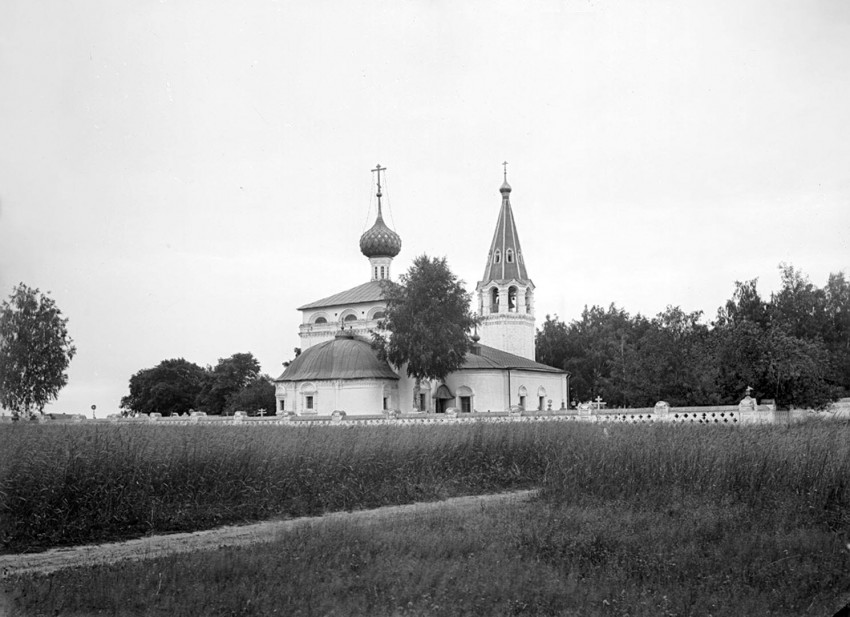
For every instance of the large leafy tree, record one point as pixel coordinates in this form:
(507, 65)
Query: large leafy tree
(225, 380)
(257, 395)
(429, 321)
(837, 335)
(35, 351)
(169, 388)
(776, 347)
(676, 360)
(793, 348)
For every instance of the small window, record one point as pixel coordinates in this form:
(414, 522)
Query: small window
(321, 320)
(283, 404)
(522, 402)
(466, 404)
(541, 403)
(385, 403)
(350, 317)
(382, 271)
(497, 257)
(422, 401)
(379, 315)
(309, 402)
(509, 256)
(376, 272)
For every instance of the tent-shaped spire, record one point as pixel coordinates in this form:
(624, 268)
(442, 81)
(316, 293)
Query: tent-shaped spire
(505, 261)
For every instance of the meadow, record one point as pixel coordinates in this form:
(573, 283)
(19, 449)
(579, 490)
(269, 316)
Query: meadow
(632, 520)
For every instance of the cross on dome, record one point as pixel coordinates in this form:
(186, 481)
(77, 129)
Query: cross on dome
(380, 240)
(505, 188)
(379, 169)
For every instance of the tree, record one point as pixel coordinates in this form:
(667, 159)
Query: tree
(228, 377)
(258, 394)
(169, 388)
(297, 352)
(677, 360)
(777, 348)
(429, 320)
(837, 335)
(745, 305)
(35, 351)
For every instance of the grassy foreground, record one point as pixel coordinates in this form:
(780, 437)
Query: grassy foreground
(74, 484)
(633, 520)
(538, 558)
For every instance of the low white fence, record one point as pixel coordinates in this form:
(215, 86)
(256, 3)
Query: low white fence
(746, 412)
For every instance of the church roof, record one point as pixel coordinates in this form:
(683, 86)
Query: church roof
(506, 242)
(345, 357)
(496, 359)
(367, 292)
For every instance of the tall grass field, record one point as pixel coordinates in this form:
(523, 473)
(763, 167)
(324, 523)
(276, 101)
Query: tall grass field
(631, 520)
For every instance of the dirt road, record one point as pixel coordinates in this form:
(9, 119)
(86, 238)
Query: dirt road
(158, 546)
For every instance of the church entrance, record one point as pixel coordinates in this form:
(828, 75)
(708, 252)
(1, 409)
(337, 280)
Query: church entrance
(443, 399)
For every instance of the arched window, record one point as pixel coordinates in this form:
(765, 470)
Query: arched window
(528, 300)
(512, 301)
(424, 395)
(379, 315)
(320, 320)
(308, 398)
(541, 398)
(497, 256)
(376, 272)
(382, 271)
(464, 394)
(509, 256)
(350, 317)
(494, 300)
(522, 394)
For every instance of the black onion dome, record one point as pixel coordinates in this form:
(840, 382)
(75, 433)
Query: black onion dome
(380, 240)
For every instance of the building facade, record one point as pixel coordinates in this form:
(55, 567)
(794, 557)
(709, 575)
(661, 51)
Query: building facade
(338, 370)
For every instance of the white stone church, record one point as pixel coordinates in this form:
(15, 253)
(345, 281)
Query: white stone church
(339, 371)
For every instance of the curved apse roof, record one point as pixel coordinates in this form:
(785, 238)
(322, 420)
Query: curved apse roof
(345, 357)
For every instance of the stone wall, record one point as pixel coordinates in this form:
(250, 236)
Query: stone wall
(729, 415)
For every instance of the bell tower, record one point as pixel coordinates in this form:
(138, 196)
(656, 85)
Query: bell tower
(505, 293)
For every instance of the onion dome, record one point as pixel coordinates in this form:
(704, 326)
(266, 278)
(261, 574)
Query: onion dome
(344, 357)
(380, 240)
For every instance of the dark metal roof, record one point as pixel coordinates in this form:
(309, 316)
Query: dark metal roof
(367, 292)
(492, 358)
(505, 238)
(345, 357)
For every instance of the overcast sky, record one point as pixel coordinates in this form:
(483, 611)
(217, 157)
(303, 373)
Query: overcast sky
(182, 175)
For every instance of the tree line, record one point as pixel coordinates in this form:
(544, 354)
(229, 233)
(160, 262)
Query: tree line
(793, 348)
(177, 386)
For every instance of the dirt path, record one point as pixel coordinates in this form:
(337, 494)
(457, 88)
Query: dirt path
(240, 535)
